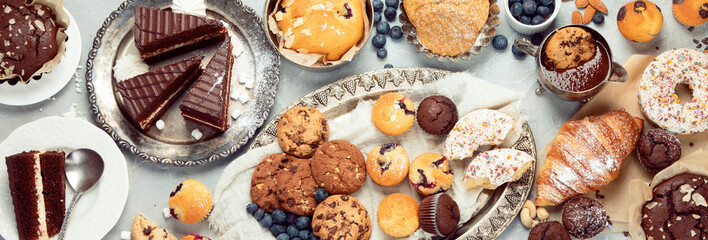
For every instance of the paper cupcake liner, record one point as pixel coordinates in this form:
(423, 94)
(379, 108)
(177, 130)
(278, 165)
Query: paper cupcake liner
(314, 60)
(62, 22)
(427, 215)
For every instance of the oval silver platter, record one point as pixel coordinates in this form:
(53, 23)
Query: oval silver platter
(175, 144)
(497, 209)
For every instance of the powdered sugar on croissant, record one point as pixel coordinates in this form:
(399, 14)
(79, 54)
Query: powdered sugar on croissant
(586, 155)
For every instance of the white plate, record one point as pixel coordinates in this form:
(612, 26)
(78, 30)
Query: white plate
(100, 207)
(51, 83)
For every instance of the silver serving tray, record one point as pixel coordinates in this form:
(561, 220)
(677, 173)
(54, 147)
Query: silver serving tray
(174, 144)
(342, 96)
(484, 39)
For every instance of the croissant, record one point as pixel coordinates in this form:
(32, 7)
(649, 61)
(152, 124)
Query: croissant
(586, 155)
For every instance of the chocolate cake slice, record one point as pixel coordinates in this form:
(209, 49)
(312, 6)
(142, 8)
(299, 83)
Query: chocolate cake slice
(37, 188)
(207, 102)
(161, 33)
(147, 96)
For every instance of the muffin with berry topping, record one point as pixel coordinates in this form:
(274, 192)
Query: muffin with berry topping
(430, 173)
(190, 202)
(393, 114)
(387, 165)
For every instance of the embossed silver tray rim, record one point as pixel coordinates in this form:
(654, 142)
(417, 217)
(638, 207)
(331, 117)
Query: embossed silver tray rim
(342, 96)
(109, 118)
(483, 39)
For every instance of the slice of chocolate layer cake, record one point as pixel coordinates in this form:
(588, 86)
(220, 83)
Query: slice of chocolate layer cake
(146, 97)
(161, 33)
(37, 188)
(207, 102)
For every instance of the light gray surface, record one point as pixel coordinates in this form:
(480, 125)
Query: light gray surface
(151, 184)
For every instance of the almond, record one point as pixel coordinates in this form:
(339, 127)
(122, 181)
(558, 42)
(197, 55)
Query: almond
(589, 13)
(582, 3)
(599, 5)
(577, 17)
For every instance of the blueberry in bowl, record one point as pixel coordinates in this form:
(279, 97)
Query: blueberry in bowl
(531, 16)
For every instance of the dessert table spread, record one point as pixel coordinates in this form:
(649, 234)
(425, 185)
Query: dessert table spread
(150, 184)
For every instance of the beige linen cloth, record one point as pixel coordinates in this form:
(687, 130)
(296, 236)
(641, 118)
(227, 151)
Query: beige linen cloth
(232, 195)
(615, 197)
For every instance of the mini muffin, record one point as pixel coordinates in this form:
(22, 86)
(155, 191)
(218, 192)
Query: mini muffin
(439, 215)
(328, 27)
(387, 164)
(640, 21)
(301, 130)
(691, 12)
(437, 115)
(190, 202)
(393, 114)
(658, 149)
(551, 230)
(194, 237)
(584, 217)
(430, 174)
(397, 215)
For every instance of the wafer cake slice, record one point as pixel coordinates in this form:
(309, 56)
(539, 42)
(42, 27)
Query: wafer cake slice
(207, 102)
(147, 96)
(161, 33)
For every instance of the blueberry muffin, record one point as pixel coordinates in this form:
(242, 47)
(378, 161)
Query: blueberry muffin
(387, 165)
(691, 12)
(430, 173)
(393, 114)
(190, 202)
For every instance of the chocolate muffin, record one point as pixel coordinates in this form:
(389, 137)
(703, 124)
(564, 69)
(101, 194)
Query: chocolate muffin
(439, 214)
(437, 115)
(658, 149)
(678, 209)
(584, 217)
(551, 230)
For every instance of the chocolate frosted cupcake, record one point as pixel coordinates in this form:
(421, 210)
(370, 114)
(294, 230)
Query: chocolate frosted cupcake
(584, 217)
(438, 214)
(437, 115)
(658, 149)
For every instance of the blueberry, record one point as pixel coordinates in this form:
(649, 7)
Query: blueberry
(381, 53)
(514, 1)
(251, 208)
(529, 7)
(303, 223)
(396, 32)
(304, 234)
(297, 238)
(390, 13)
(499, 42)
(598, 18)
(279, 216)
(277, 229)
(382, 27)
(388, 65)
(291, 217)
(283, 236)
(543, 11)
(377, 18)
(314, 237)
(292, 231)
(379, 41)
(536, 20)
(537, 39)
(259, 214)
(516, 9)
(321, 194)
(545, 2)
(517, 53)
(267, 221)
(378, 5)
(525, 20)
(392, 3)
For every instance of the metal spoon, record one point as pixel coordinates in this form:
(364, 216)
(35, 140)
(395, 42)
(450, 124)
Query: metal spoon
(84, 168)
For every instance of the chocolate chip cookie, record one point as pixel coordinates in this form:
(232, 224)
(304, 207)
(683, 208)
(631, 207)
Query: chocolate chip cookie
(339, 167)
(678, 209)
(296, 188)
(551, 230)
(658, 149)
(341, 217)
(301, 130)
(264, 180)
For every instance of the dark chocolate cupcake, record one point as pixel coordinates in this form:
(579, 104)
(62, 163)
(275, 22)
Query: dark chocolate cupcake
(551, 230)
(438, 214)
(658, 149)
(584, 217)
(437, 115)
